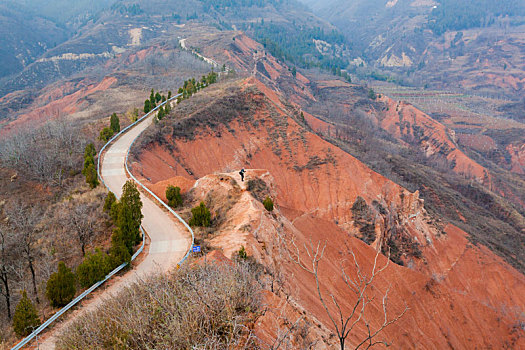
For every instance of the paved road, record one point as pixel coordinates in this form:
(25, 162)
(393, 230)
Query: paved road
(169, 239)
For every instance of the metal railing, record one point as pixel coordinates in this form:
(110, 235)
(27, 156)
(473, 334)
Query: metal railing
(46, 324)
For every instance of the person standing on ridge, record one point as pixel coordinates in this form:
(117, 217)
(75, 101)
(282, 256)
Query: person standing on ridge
(242, 174)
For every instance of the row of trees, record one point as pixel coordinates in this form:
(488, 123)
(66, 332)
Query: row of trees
(154, 99)
(191, 86)
(61, 287)
(114, 127)
(163, 111)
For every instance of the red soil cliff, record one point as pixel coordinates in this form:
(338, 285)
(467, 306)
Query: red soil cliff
(459, 295)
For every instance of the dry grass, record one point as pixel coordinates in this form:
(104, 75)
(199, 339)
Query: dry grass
(200, 306)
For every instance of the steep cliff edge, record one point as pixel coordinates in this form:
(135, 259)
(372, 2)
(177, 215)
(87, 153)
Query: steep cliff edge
(459, 295)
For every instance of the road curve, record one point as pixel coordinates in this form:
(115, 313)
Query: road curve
(169, 239)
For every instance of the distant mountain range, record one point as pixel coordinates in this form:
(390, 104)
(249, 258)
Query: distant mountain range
(474, 44)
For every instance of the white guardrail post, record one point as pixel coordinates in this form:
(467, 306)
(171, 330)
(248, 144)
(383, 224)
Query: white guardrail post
(44, 325)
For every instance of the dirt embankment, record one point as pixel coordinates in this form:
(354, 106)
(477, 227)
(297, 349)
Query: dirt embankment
(459, 295)
(411, 125)
(517, 154)
(58, 102)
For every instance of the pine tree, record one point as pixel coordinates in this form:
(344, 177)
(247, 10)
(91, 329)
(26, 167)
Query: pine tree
(113, 212)
(89, 154)
(92, 176)
(90, 150)
(60, 288)
(169, 94)
(118, 254)
(152, 97)
(115, 123)
(108, 203)
(88, 160)
(89, 170)
(147, 106)
(158, 97)
(25, 318)
(129, 216)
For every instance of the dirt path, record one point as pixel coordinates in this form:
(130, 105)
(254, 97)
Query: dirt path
(169, 239)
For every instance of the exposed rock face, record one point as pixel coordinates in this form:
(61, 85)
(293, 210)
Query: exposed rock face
(460, 295)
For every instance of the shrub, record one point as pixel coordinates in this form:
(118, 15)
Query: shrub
(242, 253)
(173, 196)
(161, 312)
(118, 254)
(106, 134)
(25, 317)
(94, 268)
(201, 216)
(364, 219)
(372, 94)
(268, 204)
(60, 288)
(257, 188)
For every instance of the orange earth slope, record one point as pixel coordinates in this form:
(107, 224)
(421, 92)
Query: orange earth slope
(460, 296)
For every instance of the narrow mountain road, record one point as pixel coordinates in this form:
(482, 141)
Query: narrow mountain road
(169, 239)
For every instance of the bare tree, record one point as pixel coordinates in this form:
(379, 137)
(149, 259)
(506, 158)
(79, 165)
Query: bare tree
(358, 286)
(24, 222)
(82, 220)
(47, 154)
(284, 328)
(7, 256)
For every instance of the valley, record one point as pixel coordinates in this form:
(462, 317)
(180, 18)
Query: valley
(378, 139)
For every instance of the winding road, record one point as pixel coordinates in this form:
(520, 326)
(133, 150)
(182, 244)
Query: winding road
(169, 240)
